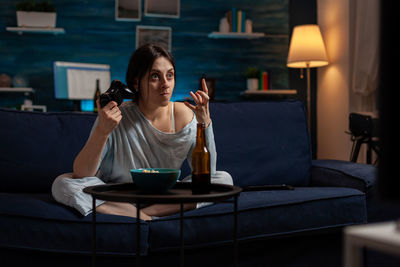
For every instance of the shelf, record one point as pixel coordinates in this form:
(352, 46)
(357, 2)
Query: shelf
(236, 35)
(16, 90)
(21, 30)
(271, 92)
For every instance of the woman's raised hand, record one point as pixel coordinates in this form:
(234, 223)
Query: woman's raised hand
(201, 99)
(109, 117)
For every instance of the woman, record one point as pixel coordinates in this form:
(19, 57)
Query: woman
(150, 132)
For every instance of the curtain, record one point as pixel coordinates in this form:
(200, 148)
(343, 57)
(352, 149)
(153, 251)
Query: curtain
(364, 44)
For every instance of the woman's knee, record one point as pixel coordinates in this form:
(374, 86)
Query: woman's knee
(222, 177)
(65, 187)
(61, 187)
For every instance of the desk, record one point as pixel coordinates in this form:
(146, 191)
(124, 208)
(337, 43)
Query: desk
(382, 237)
(181, 193)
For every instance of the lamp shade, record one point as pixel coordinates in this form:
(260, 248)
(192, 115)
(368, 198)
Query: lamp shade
(307, 48)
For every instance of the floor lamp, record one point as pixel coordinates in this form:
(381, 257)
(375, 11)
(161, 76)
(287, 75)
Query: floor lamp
(307, 50)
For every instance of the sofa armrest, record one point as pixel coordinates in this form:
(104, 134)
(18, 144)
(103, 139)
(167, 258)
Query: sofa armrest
(338, 173)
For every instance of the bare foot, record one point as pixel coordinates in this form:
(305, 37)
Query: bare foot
(144, 216)
(123, 209)
(160, 210)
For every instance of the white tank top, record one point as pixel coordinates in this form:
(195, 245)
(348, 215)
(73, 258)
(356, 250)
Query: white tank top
(172, 118)
(136, 143)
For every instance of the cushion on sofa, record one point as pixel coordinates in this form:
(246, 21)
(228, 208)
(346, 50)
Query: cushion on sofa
(261, 143)
(343, 174)
(37, 222)
(262, 214)
(36, 147)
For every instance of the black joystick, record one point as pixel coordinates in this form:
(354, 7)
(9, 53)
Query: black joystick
(117, 92)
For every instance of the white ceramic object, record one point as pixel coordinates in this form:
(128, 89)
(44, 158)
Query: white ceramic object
(252, 84)
(248, 26)
(223, 25)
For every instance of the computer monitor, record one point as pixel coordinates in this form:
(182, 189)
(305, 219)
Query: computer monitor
(77, 81)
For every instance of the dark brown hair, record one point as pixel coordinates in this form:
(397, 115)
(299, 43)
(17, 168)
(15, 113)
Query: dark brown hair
(141, 62)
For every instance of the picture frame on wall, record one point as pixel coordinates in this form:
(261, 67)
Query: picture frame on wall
(128, 10)
(158, 35)
(162, 8)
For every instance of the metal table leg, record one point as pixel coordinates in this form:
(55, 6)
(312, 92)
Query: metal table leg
(182, 254)
(235, 232)
(94, 231)
(137, 234)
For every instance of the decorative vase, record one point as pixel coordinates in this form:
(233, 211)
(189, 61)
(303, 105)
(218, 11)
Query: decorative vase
(248, 26)
(224, 25)
(252, 84)
(36, 19)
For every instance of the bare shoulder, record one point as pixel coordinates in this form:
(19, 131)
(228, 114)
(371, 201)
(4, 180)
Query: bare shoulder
(183, 115)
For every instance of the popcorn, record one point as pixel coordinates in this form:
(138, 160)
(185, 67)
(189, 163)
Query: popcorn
(150, 171)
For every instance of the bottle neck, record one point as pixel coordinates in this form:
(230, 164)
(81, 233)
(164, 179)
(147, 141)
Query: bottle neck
(201, 136)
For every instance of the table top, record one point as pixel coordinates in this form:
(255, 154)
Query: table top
(180, 193)
(382, 236)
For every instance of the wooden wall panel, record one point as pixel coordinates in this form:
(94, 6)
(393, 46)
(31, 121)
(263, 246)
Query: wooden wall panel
(94, 36)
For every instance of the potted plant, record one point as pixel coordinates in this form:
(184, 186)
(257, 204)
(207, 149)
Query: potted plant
(252, 75)
(32, 14)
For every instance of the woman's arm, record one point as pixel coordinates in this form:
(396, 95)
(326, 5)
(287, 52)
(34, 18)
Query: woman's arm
(87, 161)
(210, 142)
(202, 113)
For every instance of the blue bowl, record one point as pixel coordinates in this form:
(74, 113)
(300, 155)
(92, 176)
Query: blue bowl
(155, 180)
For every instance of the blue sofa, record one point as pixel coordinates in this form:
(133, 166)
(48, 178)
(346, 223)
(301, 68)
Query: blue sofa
(258, 143)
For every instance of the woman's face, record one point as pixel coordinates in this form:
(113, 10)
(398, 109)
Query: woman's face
(156, 86)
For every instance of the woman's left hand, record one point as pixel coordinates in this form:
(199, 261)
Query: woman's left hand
(201, 99)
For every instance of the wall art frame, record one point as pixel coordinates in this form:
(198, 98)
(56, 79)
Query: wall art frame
(159, 35)
(162, 8)
(128, 10)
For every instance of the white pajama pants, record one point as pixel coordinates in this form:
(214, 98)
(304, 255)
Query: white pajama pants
(69, 191)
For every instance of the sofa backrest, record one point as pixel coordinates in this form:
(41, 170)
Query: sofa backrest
(258, 143)
(36, 147)
(262, 143)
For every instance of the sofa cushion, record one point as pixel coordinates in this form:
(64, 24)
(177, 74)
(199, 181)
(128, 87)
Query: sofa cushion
(262, 143)
(37, 222)
(342, 173)
(36, 147)
(262, 214)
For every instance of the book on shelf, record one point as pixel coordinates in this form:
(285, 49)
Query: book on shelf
(241, 18)
(263, 81)
(229, 18)
(243, 22)
(239, 21)
(236, 19)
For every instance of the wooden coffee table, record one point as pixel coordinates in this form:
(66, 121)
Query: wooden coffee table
(181, 193)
